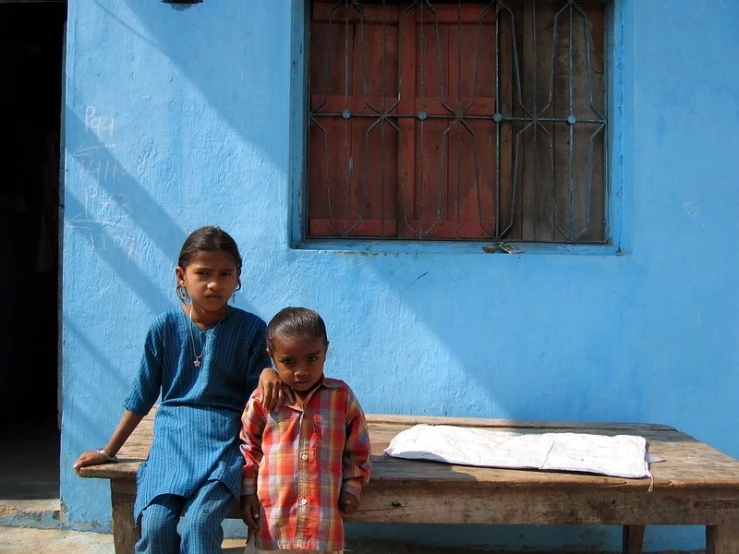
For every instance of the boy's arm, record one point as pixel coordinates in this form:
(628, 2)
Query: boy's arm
(253, 421)
(356, 465)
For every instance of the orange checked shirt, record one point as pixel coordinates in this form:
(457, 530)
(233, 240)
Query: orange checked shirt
(298, 461)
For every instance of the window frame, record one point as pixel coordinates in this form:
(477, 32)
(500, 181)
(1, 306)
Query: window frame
(616, 13)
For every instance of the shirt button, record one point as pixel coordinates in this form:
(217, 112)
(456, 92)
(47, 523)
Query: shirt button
(304, 457)
(304, 501)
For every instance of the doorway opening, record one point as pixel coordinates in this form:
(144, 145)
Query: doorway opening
(31, 81)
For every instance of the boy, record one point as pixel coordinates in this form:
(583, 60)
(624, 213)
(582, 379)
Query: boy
(306, 462)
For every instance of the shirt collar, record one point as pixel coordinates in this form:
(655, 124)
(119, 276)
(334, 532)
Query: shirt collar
(323, 382)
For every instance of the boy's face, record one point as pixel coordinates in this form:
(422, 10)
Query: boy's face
(299, 361)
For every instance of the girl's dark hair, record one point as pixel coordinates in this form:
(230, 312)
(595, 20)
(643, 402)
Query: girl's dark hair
(207, 239)
(296, 322)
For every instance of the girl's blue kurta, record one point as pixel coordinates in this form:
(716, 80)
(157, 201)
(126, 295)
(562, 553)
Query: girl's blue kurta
(196, 428)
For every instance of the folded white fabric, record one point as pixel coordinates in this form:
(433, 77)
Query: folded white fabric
(619, 456)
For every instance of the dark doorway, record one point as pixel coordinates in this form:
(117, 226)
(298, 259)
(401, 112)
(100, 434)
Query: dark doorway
(31, 81)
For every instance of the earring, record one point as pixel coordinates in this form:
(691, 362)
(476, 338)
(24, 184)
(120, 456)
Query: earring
(233, 298)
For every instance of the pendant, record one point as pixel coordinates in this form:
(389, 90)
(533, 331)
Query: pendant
(196, 363)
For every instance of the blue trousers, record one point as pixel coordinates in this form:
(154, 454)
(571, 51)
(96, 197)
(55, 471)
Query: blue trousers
(201, 528)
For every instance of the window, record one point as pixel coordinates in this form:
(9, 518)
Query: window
(457, 120)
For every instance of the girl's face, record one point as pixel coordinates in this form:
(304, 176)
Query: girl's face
(299, 361)
(210, 279)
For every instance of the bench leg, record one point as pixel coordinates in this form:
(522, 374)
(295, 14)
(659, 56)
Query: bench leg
(633, 538)
(723, 538)
(125, 533)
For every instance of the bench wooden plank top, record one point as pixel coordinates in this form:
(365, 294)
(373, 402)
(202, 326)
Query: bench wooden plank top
(694, 485)
(688, 463)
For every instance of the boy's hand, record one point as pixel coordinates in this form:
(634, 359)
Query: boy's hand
(250, 510)
(348, 503)
(271, 389)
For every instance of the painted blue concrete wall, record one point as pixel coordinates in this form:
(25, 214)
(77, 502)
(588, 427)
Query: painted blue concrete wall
(179, 118)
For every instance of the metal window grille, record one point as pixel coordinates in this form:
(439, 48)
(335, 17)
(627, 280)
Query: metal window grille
(457, 120)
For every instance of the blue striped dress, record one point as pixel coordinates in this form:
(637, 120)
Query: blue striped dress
(196, 429)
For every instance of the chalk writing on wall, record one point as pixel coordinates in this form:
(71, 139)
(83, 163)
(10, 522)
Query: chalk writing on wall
(95, 157)
(99, 125)
(105, 220)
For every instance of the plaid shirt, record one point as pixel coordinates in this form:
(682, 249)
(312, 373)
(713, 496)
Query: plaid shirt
(297, 462)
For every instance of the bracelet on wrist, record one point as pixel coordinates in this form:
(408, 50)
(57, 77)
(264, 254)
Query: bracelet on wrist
(108, 457)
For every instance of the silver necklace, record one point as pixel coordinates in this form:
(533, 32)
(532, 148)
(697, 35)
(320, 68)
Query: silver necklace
(197, 362)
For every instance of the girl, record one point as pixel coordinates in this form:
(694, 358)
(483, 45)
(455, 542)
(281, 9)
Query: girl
(203, 358)
(305, 463)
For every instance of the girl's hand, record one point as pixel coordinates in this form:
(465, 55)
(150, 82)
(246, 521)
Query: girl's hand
(250, 510)
(271, 389)
(348, 503)
(89, 458)
(129, 421)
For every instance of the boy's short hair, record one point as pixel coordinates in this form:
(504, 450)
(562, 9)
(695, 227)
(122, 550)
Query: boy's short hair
(296, 322)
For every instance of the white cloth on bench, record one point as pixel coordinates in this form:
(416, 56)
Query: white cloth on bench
(619, 456)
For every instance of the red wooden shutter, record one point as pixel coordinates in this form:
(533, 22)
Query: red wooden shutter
(448, 76)
(415, 155)
(353, 160)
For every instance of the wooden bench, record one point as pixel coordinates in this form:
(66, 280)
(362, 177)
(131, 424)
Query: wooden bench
(695, 485)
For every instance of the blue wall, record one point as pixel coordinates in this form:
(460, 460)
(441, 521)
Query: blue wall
(175, 118)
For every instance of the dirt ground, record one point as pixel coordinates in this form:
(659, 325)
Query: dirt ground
(21, 540)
